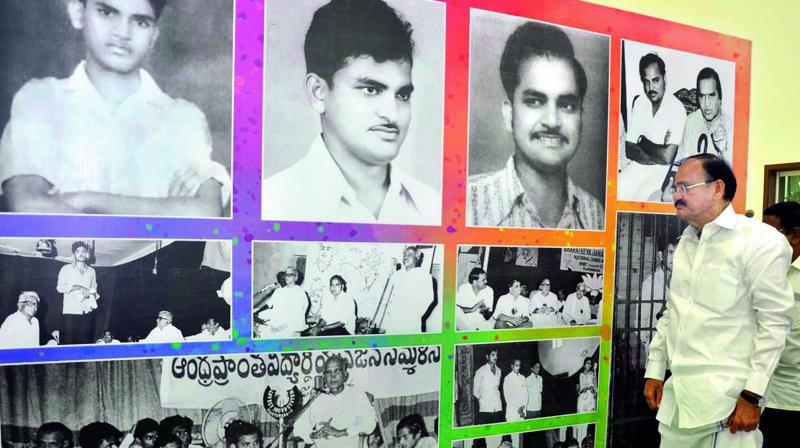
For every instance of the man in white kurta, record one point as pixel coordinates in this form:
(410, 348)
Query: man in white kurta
(339, 414)
(576, 308)
(545, 306)
(515, 391)
(473, 299)
(164, 330)
(486, 388)
(512, 309)
(727, 316)
(287, 318)
(411, 296)
(21, 329)
(535, 385)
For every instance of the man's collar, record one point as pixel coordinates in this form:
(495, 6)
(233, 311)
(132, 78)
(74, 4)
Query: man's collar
(509, 172)
(148, 91)
(726, 219)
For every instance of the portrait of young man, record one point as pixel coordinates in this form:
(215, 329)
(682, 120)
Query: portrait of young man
(674, 105)
(124, 108)
(538, 125)
(353, 119)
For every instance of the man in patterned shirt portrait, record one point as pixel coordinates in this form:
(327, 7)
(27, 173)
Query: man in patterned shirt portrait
(545, 87)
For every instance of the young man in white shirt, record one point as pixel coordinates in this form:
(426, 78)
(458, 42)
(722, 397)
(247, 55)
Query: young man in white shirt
(486, 388)
(77, 281)
(107, 140)
(728, 312)
(359, 82)
(474, 302)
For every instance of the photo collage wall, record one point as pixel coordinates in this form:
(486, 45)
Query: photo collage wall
(230, 220)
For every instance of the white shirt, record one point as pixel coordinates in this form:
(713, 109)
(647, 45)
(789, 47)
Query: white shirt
(486, 388)
(534, 384)
(288, 314)
(169, 333)
(412, 294)
(17, 332)
(314, 189)
(220, 335)
(784, 387)
(466, 297)
(515, 391)
(339, 309)
(636, 181)
(69, 276)
(63, 130)
(512, 306)
(350, 409)
(728, 312)
(539, 299)
(577, 309)
(700, 136)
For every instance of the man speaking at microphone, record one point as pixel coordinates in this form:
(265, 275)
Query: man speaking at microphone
(727, 315)
(339, 413)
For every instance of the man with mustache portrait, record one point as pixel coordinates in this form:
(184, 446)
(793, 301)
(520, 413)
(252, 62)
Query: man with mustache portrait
(545, 87)
(655, 129)
(359, 56)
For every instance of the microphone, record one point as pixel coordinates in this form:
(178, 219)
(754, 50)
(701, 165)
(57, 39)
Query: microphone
(271, 285)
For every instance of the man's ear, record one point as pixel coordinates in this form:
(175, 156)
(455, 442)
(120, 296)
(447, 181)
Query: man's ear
(794, 236)
(76, 10)
(317, 91)
(508, 115)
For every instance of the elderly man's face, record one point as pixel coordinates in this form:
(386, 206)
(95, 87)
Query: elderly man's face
(695, 204)
(162, 321)
(28, 307)
(545, 286)
(335, 375)
(409, 258)
(291, 277)
(544, 116)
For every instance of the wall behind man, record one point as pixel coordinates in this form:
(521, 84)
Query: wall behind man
(774, 133)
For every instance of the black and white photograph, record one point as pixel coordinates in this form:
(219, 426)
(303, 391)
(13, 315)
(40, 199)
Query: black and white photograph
(63, 291)
(515, 381)
(501, 288)
(116, 107)
(258, 400)
(538, 124)
(646, 244)
(674, 105)
(340, 289)
(564, 437)
(357, 99)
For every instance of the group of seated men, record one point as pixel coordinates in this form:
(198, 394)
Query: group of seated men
(476, 309)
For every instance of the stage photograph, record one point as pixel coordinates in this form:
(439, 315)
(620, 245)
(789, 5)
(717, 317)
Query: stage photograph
(501, 288)
(564, 437)
(515, 381)
(64, 291)
(268, 399)
(340, 289)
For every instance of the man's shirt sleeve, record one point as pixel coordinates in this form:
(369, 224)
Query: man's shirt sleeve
(765, 267)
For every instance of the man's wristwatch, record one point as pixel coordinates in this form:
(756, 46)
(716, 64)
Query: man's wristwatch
(754, 399)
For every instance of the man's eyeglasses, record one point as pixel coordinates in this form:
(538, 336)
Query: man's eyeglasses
(29, 303)
(683, 189)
